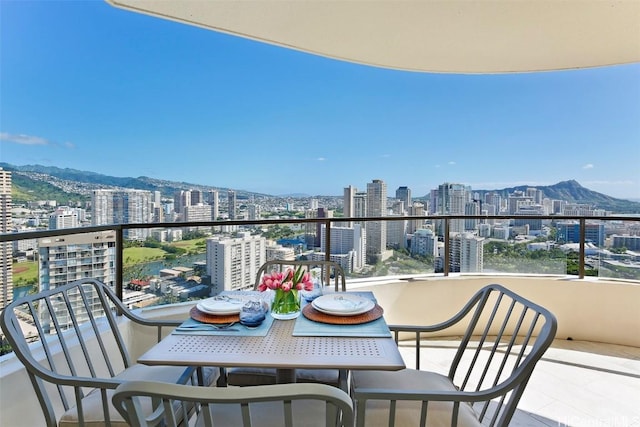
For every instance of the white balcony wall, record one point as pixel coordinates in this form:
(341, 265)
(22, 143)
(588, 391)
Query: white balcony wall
(588, 310)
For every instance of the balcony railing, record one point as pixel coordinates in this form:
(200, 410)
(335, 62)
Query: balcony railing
(442, 226)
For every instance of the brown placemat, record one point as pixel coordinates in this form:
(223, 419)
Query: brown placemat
(203, 317)
(317, 316)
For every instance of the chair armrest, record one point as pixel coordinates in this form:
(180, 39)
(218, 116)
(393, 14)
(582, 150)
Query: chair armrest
(168, 397)
(435, 395)
(263, 393)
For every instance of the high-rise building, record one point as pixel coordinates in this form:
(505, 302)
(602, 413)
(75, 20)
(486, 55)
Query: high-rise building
(212, 198)
(376, 230)
(360, 204)
(199, 212)
(232, 204)
(494, 199)
(181, 199)
(321, 213)
(6, 248)
(424, 242)
(280, 253)
(76, 256)
(471, 208)
(516, 200)
(416, 209)
(232, 263)
(348, 207)
(123, 207)
(63, 217)
(397, 233)
(404, 195)
(535, 194)
(569, 232)
(451, 200)
(253, 212)
(196, 197)
(344, 241)
(348, 204)
(466, 253)
(535, 225)
(72, 257)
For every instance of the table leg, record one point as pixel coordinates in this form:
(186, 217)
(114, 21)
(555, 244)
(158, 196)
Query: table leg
(284, 376)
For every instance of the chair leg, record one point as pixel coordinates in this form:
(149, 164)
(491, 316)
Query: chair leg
(222, 378)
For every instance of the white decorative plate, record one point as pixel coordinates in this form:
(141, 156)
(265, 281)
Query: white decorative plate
(342, 304)
(220, 306)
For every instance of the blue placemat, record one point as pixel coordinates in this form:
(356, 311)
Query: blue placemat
(308, 328)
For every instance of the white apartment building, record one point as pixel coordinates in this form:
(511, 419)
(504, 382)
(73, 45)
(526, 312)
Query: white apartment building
(198, 212)
(123, 207)
(466, 253)
(351, 241)
(76, 256)
(348, 207)
(64, 217)
(6, 248)
(279, 252)
(343, 260)
(233, 263)
(424, 242)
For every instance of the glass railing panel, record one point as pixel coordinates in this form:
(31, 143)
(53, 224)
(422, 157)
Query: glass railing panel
(513, 246)
(619, 257)
(167, 267)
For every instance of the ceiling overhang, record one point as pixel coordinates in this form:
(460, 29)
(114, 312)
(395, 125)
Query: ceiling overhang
(442, 36)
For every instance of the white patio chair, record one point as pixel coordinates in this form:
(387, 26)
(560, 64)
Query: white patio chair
(80, 355)
(504, 337)
(281, 405)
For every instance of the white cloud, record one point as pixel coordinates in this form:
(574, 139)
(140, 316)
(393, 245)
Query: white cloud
(23, 139)
(69, 145)
(321, 159)
(451, 163)
(588, 166)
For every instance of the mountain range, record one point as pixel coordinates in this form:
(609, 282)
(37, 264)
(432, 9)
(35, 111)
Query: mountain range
(67, 186)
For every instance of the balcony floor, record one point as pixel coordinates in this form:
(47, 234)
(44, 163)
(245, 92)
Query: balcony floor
(577, 383)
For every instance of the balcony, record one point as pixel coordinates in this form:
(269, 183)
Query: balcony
(589, 377)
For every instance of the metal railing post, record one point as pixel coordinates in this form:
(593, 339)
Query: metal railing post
(583, 234)
(447, 255)
(119, 262)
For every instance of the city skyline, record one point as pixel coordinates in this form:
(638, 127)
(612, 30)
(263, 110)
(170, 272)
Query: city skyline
(90, 87)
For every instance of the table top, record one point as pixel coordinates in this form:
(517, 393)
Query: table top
(278, 349)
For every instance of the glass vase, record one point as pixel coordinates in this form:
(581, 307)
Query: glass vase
(286, 305)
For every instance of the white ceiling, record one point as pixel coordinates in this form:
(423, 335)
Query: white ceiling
(448, 36)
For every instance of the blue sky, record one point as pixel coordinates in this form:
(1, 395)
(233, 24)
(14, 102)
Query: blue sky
(87, 86)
